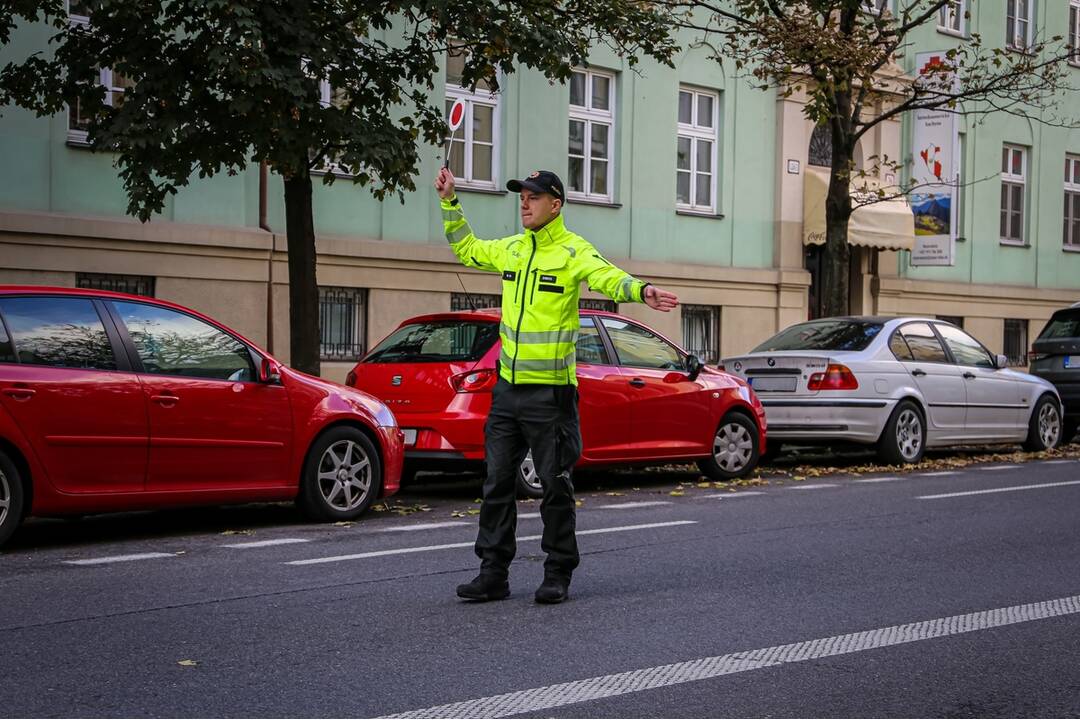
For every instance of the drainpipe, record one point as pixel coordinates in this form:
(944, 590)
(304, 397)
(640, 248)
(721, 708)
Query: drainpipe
(264, 225)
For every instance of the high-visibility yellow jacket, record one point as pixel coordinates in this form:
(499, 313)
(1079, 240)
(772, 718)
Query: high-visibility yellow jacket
(542, 273)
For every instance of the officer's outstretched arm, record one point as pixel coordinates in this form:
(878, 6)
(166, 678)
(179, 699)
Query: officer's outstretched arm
(472, 251)
(605, 278)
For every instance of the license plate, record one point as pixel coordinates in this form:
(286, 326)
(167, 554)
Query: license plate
(774, 384)
(1072, 361)
(410, 436)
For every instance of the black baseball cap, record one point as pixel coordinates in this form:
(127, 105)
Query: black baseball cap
(542, 181)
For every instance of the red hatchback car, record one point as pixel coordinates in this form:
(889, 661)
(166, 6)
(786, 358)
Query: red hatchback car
(114, 402)
(642, 398)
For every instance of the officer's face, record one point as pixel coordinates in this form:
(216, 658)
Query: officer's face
(538, 209)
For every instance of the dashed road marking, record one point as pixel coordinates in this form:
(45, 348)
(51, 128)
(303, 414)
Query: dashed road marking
(422, 526)
(998, 490)
(528, 516)
(120, 558)
(1057, 462)
(629, 505)
(1000, 467)
(448, 546)
(739, 494)
(266, 543)
(877, 480)
(811, 487)
(944, 473)
(538, 699)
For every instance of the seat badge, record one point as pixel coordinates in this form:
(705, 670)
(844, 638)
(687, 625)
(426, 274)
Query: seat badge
(396, 380)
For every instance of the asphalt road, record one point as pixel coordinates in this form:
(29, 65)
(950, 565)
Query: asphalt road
(924, 594)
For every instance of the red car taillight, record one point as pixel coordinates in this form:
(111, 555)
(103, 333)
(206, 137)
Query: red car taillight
(835, 377)
(475, 381)
(350, 379)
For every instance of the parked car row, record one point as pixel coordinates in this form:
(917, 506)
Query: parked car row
(115, 402)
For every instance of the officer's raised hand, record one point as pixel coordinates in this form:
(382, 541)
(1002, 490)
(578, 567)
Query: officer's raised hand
(661, 300)
(444, 183)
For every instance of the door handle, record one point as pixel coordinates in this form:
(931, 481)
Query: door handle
(918, 373)
(638, 382)
(20, 393)
(969, 376)
(165, 400)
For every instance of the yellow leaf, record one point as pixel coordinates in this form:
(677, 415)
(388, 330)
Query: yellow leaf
(238, 532)
(344, 523)
(579, 503)
(472, 511)
(704, 485)
(676, 493)
(188, 663)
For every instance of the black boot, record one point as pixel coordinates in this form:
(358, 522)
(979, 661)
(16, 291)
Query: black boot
(484, 588)
(554, 589)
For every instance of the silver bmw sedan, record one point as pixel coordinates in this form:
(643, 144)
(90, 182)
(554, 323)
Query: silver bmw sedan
(902, 384)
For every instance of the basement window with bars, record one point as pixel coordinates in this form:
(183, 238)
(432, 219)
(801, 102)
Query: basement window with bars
(130, 284)
(342, 323)
(701, 331)
(1016, 341)
(479, 301)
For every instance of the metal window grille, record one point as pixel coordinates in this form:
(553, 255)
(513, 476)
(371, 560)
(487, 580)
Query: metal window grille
(701, 331)
(820, 147)
(1016, 336)
(342, 323)
(130, 284)
(954, 319)
(480, 301)
(590, 304)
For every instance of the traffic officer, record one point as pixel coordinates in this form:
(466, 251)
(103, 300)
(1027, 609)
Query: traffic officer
(534, 403)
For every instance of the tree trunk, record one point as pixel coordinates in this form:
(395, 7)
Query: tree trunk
(836, 255)
(303, 285)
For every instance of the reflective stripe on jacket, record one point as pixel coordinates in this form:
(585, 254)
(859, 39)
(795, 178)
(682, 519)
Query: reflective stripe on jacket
(542, 273)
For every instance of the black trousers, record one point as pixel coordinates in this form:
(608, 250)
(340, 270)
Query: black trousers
(543, 418)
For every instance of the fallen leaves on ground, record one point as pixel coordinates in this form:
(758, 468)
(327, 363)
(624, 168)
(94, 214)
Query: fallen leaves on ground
(188, 663)
(238, 532)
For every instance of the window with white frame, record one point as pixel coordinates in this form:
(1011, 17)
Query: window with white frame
(951, 17)
(474, 150)
(592, 132)
(330, 162)
(701, 331)
(696, 141)
(1018, 23)
(1073, 34)
(115, 83)
(1071, 238)
(1014, 171)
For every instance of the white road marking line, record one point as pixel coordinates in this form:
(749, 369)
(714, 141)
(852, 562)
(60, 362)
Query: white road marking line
(628, 505)
(811, 487)
(604, 686)
(120, 558)
(877, 480)
(998, 490)
(940, 474)
(266, 543)
(1000, 467)
(423, 526)
(1056, 462)
(737, 494)
(528, 516)
(448, 546)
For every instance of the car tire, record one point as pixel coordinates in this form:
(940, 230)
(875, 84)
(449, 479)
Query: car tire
(529, 485)
(1045, 429)
(735, 448)
(11, 497)
(903, 441)
(342, 475)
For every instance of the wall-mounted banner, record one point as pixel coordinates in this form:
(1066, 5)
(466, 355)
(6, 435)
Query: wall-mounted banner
(935, 170)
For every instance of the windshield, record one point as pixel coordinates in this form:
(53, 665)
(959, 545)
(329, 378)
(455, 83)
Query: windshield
(1064, 324)
(824, 335)
(439, 341)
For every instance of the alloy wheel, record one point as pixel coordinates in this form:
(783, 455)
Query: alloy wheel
(5, 497)
(344, 475)
(1049, 425)
(528, 472)
(909, 434)
(733, 447)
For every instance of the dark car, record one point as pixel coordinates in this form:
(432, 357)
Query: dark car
(1055, 356)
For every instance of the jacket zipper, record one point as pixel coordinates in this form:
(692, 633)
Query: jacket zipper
(521, 316)
(532, 290)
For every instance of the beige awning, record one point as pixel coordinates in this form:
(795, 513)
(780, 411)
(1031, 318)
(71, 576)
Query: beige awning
(885, 225)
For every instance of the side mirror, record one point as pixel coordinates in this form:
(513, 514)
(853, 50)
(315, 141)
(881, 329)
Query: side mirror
(269, 372)
(1001, 361)
(693, 367)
